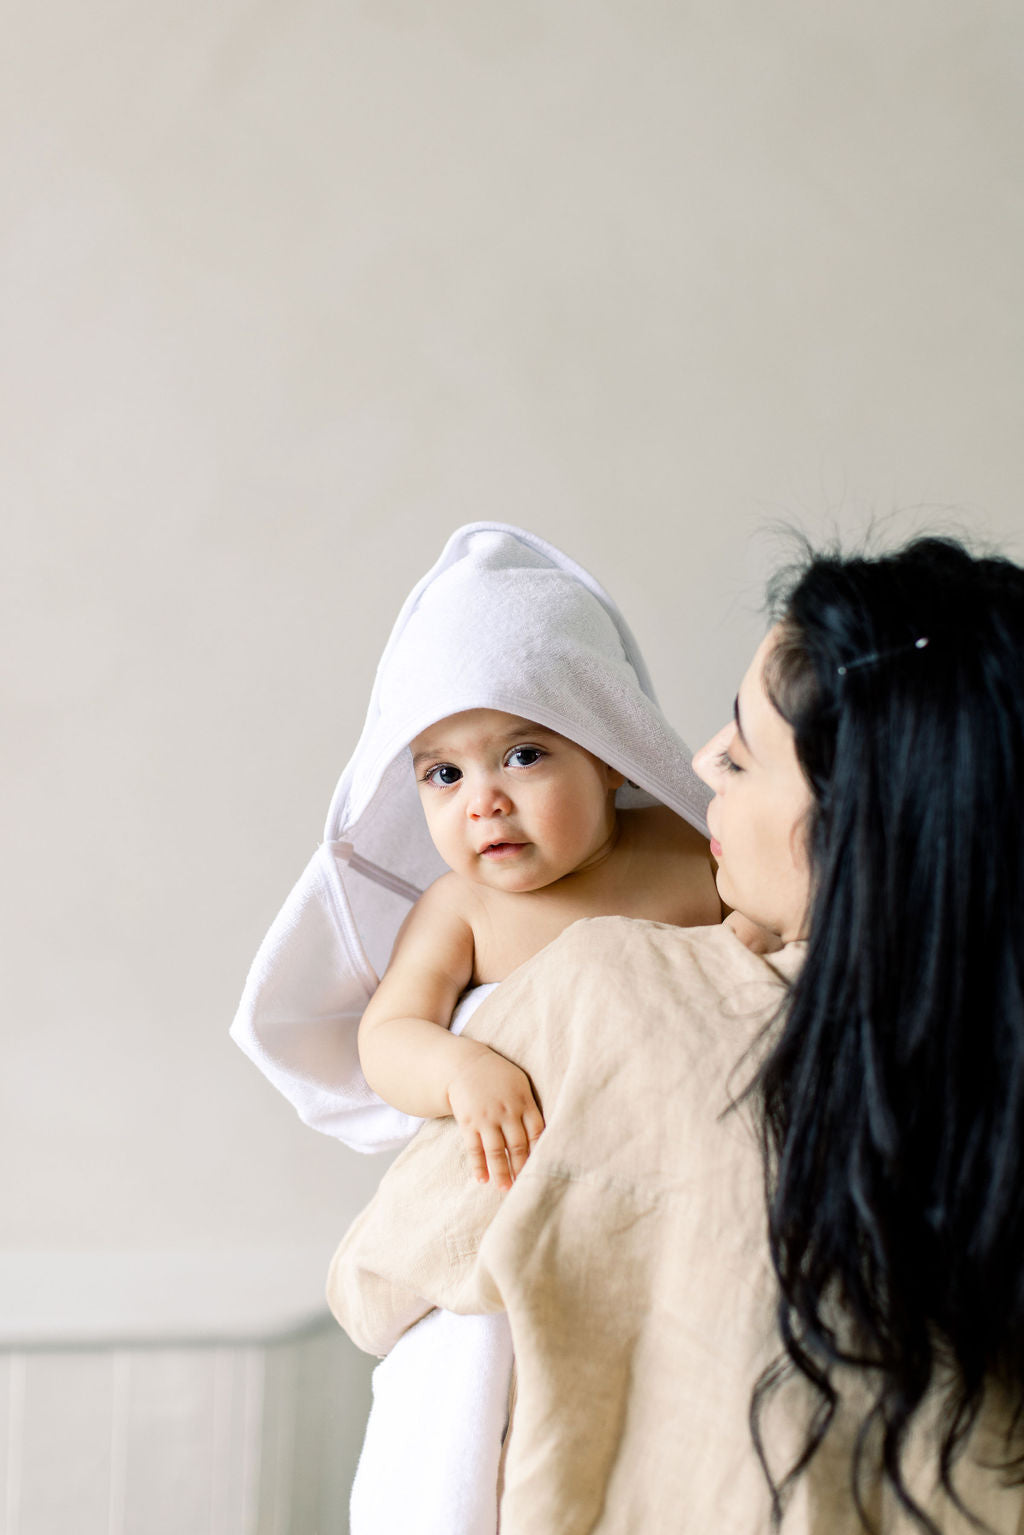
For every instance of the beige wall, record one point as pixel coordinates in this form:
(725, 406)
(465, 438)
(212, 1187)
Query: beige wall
(291, 290)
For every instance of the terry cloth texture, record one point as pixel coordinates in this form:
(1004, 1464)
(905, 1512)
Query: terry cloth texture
(440, 1410)
(631, 1256)
(502, 621)
(429, 1463)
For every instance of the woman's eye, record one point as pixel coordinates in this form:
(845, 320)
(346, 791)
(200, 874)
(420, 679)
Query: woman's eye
(523, 756)
(443, 776)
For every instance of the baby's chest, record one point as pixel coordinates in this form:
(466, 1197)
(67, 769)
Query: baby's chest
(506, 933)
(508, 929)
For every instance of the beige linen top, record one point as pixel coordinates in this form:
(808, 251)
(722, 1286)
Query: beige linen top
(631, 1255)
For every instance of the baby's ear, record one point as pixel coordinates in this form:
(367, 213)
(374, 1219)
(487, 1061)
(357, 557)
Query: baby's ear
(615, 778)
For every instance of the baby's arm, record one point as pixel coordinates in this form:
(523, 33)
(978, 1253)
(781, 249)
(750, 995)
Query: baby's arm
(412, 1060)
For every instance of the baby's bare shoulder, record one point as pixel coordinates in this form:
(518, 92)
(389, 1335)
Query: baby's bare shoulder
(452, 901)
(496, 924)
(658, 829)
(449, 895)
(666, 873)
(436, 938)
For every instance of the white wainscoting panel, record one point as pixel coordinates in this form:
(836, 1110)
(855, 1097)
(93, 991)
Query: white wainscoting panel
(217, 1436)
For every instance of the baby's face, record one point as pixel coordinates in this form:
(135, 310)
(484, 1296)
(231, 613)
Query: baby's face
(511, 804)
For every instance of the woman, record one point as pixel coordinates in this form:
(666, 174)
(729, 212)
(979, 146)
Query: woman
(860, 1363)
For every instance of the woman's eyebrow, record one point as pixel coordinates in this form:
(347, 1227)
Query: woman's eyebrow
(739, 727)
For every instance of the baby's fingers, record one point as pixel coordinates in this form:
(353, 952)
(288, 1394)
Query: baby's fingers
(518, 1150)
(520, 1138)
(476, 1155)
(497, 1159)
(487, 1158)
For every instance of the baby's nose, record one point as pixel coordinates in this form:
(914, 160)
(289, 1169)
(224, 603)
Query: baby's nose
(487, 799)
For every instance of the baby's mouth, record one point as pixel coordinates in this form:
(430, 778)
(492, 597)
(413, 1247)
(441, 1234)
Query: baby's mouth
(501, 849)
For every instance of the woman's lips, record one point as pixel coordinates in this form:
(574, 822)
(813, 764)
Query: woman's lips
(716, 850)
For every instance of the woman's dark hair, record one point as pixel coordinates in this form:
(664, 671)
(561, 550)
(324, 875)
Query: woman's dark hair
(894, 1099)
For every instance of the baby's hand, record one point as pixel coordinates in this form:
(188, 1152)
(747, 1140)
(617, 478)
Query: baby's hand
(494, 1107)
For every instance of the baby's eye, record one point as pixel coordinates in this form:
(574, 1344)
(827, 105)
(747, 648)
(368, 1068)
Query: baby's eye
(443, 776)
(523, 756)
(725, 764)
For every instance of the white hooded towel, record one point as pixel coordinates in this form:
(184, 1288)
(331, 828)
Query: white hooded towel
(502, 621)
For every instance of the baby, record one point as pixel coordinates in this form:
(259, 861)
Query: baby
(545, 776)
(527, 823)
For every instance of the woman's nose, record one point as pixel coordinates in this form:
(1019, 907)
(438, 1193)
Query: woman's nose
(705, 761)
(487, 798)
